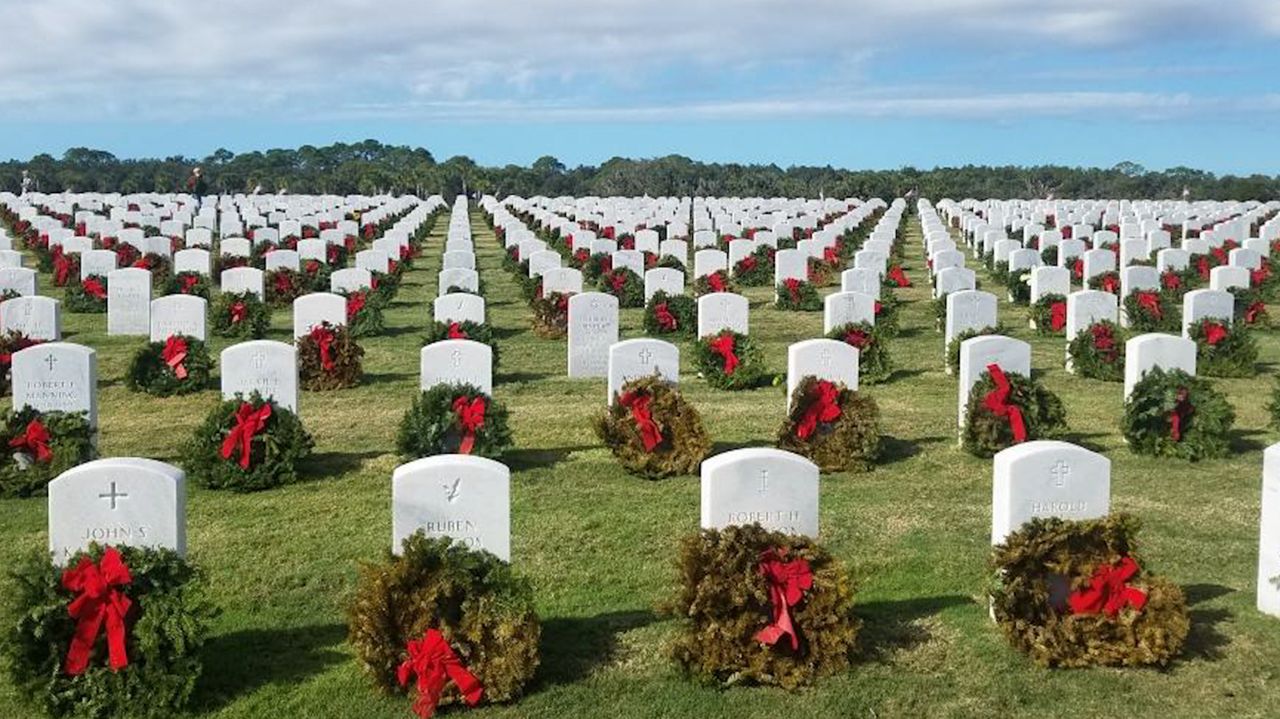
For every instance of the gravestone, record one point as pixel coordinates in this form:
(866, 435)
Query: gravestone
(18, 279)
(825, 359)
(860, 279)
(129, 301)
(790, 265)
(593, 329)
(97, 262)
(1047, 479)
(954, 279)
(663, 279)
(565, 280)
(459, 277)
(1087, 308)
(1228, 277)
(119, 501)
(178, 315)
(456, 362)
(465, 498)
(36, 316)
(458, 307)
(239, 280)
(977, 353)
(1269, 530)
(1167, 352)
(193, 260)
(1049, 281)
(316, 308)
(264, 366)
(719, 311)
(968, 310)
(629, 259)
(1097, 262)
(1200, 305)
(842, 308)
(777, 490)
(282, 260)
(350, 279)
(706, 262)
(644, 357)
(458, 258)
(57, 377)
(540, 262)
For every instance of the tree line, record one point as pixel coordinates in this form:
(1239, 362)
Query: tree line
(371, 167)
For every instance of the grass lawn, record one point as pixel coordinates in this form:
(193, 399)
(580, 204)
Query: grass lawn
(599, 545)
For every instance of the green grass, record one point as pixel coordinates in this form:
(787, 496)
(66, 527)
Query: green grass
(599, 545)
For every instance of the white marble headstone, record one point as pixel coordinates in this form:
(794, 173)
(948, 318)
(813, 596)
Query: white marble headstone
(465, 498)
(777, 490)
(119, 501)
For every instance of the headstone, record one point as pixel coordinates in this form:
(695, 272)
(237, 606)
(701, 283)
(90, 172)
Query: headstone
(719, 311)
(36, 316)
(282, 260)
(458, 258)
(1199, 305)
(18, 279)
(465, 498)
(954, 279)
(178, 315)
(706, 262)
(129, 301)
(969, 310)
(317, 308)
(593, 329)
(565, 280)
(458, 307)
(1047, 479)
(239, 280)
(192, 260)
(1269, 542)
(825, 359)
(977, 353)
(860, 279)
(1049, 281)
(663, 279)
(57, 377)
(264, 366)
(777, 490)
(1228, 277)
(119, 501)
(97, 262)
(1087, 308)
(1097, 262)
(457, 362)
(842, 308)
(1167, 352)
(790, 265)
(468, 280)
(644, 357)
(350, 279)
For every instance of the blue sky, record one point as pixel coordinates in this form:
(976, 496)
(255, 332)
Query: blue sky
(847, 83)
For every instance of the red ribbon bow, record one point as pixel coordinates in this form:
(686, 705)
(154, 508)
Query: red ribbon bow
(788, 581)
(1202, 267)
(355, 303)
(324, 337)
(1214, 333)
(174, 354)
(716, 282)
(830, 256)
(746, 264)
(666, 320)
(35, 440)
(617, 281)
(1253, 311)
(94, 288)
(1171, 280)
(1110, 283)
(1259, 276)
(189, 282)
(249, 422)
(1150, 301)
(1108, 591)
(638, 403)
(433, 661)
(997, 401)
(1077, 269)
(723, 346)
(793, 288)
(61, 269)
(470, 418)
(824, 406)
(898, 277)
(284, 283)
(1182, 411)
(99, 602)
(238, 311)
(857, 338)
(455, 331)
(1057, 316)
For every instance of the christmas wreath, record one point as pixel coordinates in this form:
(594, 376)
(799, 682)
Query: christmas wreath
(189, 283)
(596, 266)
(40, 446)
(886, 313)
(999, 270)
(717, 281)
(625, 285)
(1223, 349)
(88, 296)
(756, 269)
(1106, 281)
(551, 315)
(671, 315)
(1049, 256)
(1005, 409)
(445, 623)
(284, 286)
(1175, 284)
(1251, 308)
(1074, 594)
(466, 330)
(797, 295)
(246, 445)
(1049, 314)
(1097, 352)
(179, 365)
(761, 607)
(116, 632)
(315, 276)
(729, 361)
(364, 315)
(653, 430)
(1151, 311)
(896, 276)
(454, 419)
(837, 428)
(1020, 289)
(953, 348)
(874, 364)
(65, 267)
(240, 315)
(11, 342)
(160, 267)
(820, 271)
(1172, 414)
(329, 358)
(384, 287)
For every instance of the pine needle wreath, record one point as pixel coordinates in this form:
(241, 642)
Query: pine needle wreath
(682, 443)
(161, 268)
(1223, 349)
(65, 268)
(596, 266)
(1203, 416)
(849, 442)
(315, 276)
(466, 330)
(711, 356)
(953, 347)
(150, 372)
(1106, 282)
(166, 626)
(1049, 315)
(1049, 555)
(551, 315)
(222, 263)
(671, 315)
(329, 358)
(722, 601)
(284, 285)
(1175, 284)
(275, 452)
(797, 295)
(874, 362)
(1151, 311)
(986, 432)
(240, 315)
(821, 272)
(189, 283)
(999, 271)
(1049, 256)
(1019, 287)
(1251, 308)
(485, 612)
(624, 284)
(886, 313)
(718, 281)
(88, 296)
(756, 269)
(436, 424)
(385, 287)
(364, 315)
(40, 446)
(11, 342)
(1097, 352)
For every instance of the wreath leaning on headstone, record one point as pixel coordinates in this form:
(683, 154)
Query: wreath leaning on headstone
(874, 363)
(41, 446)
(1223, 349)
(836, 428)
(189, 283)
(1075, 594)
(445, 623)
(178, 365)
(1170, 413)
(1151, 311)
(729, 360)
(550, 315)
(670, 315)
(364, 314)
(1048, 314)
(466, 330)
(329, 358)
(953, 347)
(797, 295)
(246, 445)
(761, 607)
(88, 296)
(129, 648)
(756, 269)
(712, 282)
(240, 315)
(624, 284)
(1007, 408)
(11, 342)
(454, 419)
(653, 430)
(1097, 352)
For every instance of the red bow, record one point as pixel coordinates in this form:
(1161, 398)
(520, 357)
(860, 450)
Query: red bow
(1150, 301)
(99, 601)
(1110, 283)
(249, 422)
(1171, 280)
(34, 439)
(617, 280)
(638, 403)
(746, 264)
(830, 256)
(788, 581)
(1220, 254)
(312, 267)
(858, 338)
(189, 282)
(284, 284)
(1259, 276)
(433, 661)
(997, 401)
(238, 310)
(61, 269)
(455, 331)
(355, 303)
(324, 337)
(1182, 411)
(1057, 316)
(470, 418)
(1214, 333)
(1253, 311)
(723, 346)
(1108, 591)
(716, 282)
(898, 277)
(666, 320)
(143, 262)
(823, 407)
(1077, 269)
(793, 288)
(1202, 267)
(174, 354)
(94, 288)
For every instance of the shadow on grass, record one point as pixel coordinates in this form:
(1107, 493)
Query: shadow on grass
(323, 465)
(573, 647)
(722, 447)
(534, 458)
(400, 331)
(1086, 440)
(1243, 440)
(895, 449)
(1205, 641)
(242, 662)
(902, 374)
(895, 626)
(514, 377)
(379, 378)
(504, 333)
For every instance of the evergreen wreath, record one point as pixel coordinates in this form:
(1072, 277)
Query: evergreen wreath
(756, 269)
(1223, 349)
(1007, 408)
(11, 342)
(1049, 315)
(275, 439)
(836, 428)
(874, 363)
(364, 314)
(1106, 282)
(179, 365)
(624, 284)
(284, 285)
(729, 360)
(329, 358)
(40, 446)
(797, 295)
(466, 330)
(454, 419)
(953, 347)
(671, 315)
(653, 430)
(189, 283)
(1097, 352)
(88, 296)
(1151, 311)
(718, 281)
(1173, 414)
(551, 315)
(240, 315)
